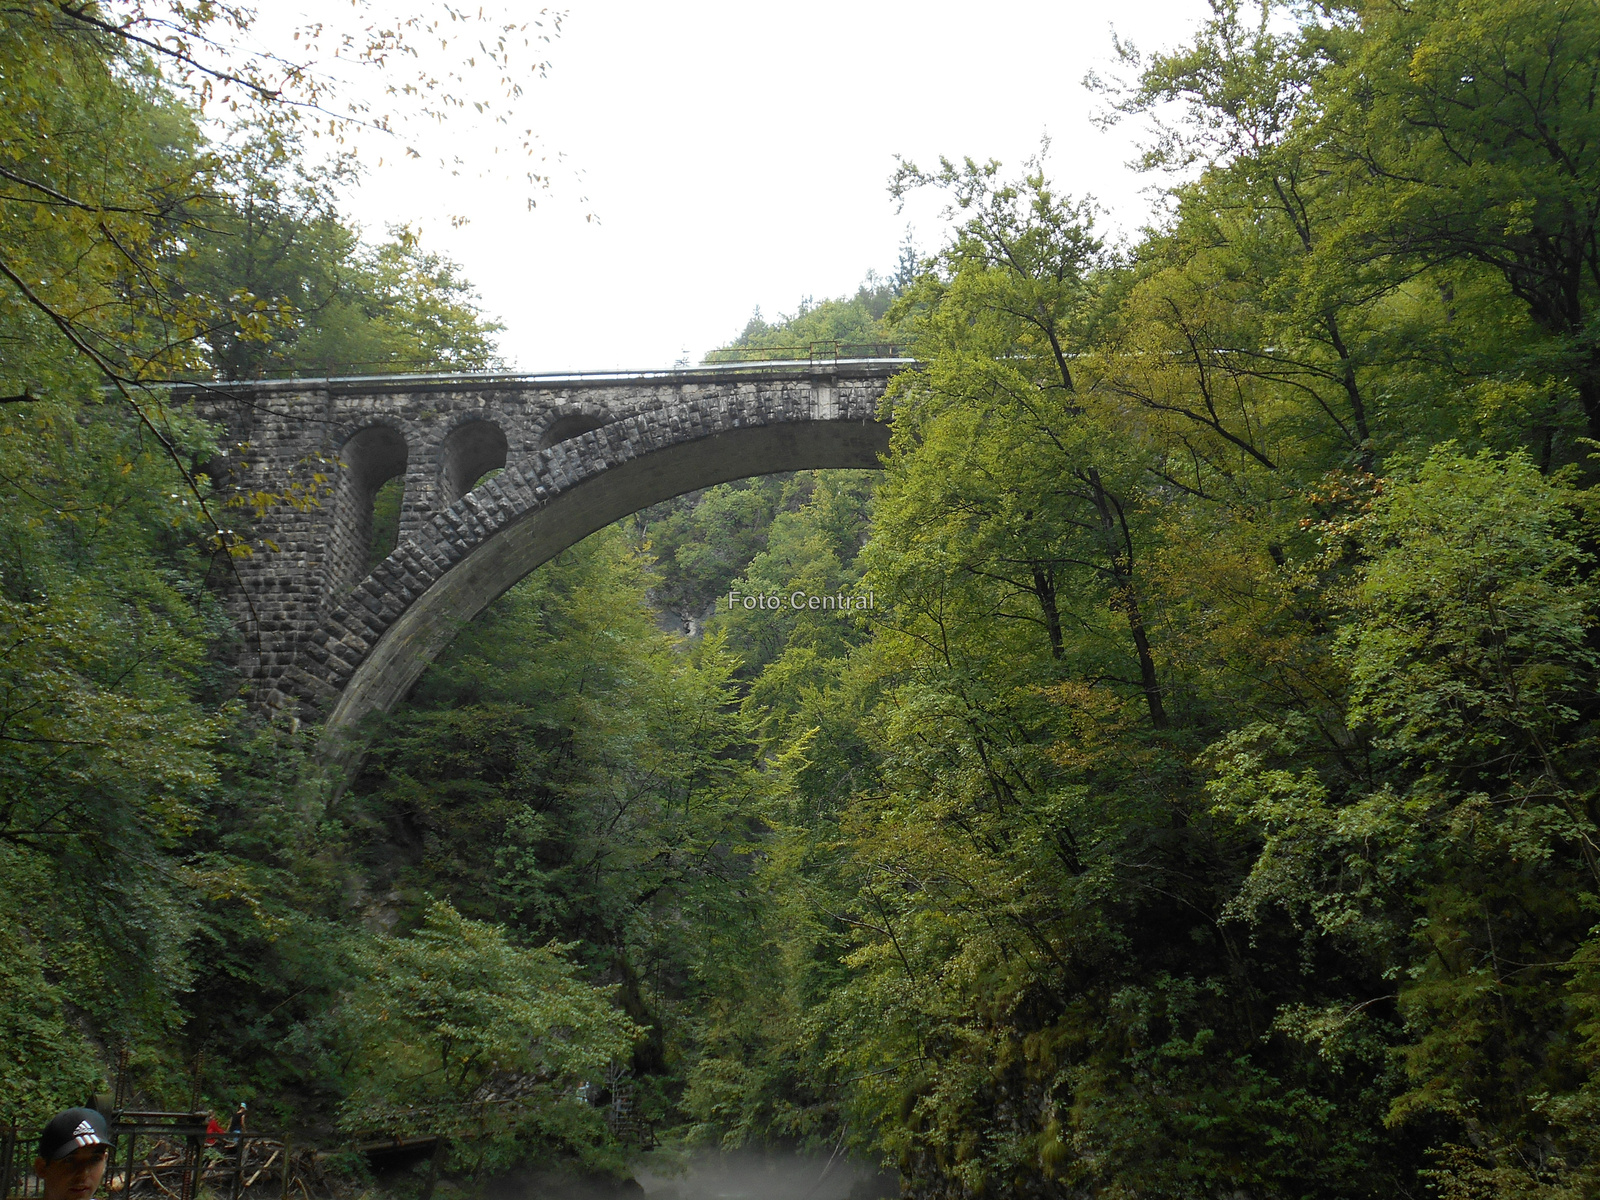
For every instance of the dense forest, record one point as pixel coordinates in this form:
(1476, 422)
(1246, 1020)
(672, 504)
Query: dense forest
(1206, 808)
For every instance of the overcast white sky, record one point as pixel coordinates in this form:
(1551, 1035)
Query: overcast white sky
(736, 154)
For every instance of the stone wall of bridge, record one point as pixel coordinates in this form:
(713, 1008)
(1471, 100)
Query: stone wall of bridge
(323, 634)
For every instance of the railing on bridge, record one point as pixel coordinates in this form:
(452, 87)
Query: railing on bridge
(818, 353)
(814, 352)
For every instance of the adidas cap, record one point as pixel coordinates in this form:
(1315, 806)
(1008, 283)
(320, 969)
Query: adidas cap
(72, 1130)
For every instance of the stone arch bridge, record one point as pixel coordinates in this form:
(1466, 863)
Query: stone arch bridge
(331, 637)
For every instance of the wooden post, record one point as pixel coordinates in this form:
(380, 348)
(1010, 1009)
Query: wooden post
(8, 1156)
(288, 1160)
(133, 1142)
(193, 1162)
(238, 1168)
(122, 1094)
(196, 1079)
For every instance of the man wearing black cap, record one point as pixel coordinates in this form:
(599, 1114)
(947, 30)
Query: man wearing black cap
(72, 1154)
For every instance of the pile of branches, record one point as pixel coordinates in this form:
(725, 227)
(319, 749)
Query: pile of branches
(266, 1165)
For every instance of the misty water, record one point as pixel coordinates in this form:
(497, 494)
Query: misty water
(711, 1175)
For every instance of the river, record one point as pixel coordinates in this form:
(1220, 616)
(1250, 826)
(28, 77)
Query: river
(710, 1175)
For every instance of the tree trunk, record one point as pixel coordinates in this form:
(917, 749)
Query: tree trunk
(1352, 391)
(1147, 663)
(1588, 382)
(1119, 551)
(1044, 587)
(433, 1168)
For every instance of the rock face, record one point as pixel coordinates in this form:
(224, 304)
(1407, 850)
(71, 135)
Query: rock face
(327, 638)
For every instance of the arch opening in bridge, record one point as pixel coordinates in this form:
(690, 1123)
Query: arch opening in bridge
(569, 425)
(388, 669)
(470, 451)
(370, 458)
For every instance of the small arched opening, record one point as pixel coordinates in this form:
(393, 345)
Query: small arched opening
(470, 451)
(569, 425)
(372, 477)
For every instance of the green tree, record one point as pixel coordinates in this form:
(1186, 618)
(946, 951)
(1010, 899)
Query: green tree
(569, 770)
(115, 698)
(306, 293)
(458, 1034)
(1465, 136)
(1458, 858)
(997, 415)
(109, 707)
(859, 321)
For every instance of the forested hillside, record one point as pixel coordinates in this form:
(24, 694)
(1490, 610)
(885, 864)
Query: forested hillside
(1206, 807)
(172, 879)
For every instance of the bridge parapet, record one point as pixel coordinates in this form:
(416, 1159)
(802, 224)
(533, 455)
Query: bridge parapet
(328, 631)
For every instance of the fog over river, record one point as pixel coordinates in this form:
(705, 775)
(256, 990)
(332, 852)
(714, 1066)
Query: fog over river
(743, 1175)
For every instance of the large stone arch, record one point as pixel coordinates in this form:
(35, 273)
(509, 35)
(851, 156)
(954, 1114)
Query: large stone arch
(366, 655)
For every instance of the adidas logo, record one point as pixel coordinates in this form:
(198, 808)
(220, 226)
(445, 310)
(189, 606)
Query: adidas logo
(86, 1135)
